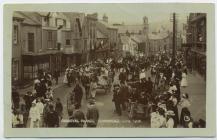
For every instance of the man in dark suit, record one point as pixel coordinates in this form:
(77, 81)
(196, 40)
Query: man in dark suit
(78, 93)
(117, 99)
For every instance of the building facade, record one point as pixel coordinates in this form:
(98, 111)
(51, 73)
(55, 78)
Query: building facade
(38, 39)
(17, 49)
(89, 37)
(196, 38)
(73, 40)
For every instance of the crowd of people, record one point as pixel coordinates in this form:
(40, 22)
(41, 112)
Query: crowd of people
(159, 97)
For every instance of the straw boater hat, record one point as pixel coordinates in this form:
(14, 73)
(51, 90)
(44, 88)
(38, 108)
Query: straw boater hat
(170, 113)
(36, 81)
(187, 118)
(34, 102)
(185, 95)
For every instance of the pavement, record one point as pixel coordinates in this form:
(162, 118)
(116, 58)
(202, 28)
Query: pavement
(108, 118)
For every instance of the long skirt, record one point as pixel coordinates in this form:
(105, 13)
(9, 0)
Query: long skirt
(93, 93)
(176, 117)
(184, 82)
(65, 81)
(184, 112)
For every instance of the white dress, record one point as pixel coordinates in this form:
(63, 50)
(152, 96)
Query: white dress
(170, 123)
(184, 82)
(34, 115)
(65, 81)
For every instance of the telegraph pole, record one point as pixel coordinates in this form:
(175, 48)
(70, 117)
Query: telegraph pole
(174, 39)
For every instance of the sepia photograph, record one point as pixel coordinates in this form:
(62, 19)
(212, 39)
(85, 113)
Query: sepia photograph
(114, 66)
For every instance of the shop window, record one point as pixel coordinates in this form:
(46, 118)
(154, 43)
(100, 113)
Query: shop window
(31, 42)
(15, 34)
(28, 72)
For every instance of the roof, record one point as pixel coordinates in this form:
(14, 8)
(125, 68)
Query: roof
(130, 28)
(107, 24)
(157, 36)
(124, 39)
(44, 14)
(139, 38)
(30, 18)
(18, 15)
(100, 34)
(74, 15)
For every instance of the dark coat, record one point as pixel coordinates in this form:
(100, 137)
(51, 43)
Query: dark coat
(52, 119)
(78, 93)
(59, 108)
(117, 97)
(77, 119)
(92, 116)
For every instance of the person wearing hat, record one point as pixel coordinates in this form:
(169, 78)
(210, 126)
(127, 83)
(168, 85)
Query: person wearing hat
(93, 88)
(188, 121)
(40, 107)
(49, 94)
(142, 74)
(70, 103)
(161, 118)
(15, 97)
(154, 117)
(117, 99)
(52, 118)
(170, 121)
(34, 115)
(59, 108)
(28, 98)
(92, 114)
(78, 93)
(45, 112)
(174, 108)
(78, 118)
(185, 104)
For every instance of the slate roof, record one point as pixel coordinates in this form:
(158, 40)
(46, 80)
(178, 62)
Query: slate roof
(30, 18)
(18, 15)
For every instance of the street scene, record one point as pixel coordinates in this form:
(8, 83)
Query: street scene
(81, 69)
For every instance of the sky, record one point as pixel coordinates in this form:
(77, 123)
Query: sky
(133, 13)
(130, 13)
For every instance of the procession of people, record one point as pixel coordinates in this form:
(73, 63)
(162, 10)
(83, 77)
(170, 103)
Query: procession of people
(150, 89)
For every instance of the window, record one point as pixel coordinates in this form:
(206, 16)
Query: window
(68, 37)
(15, 70)
(31, 42)
(68, 42)
(49, 36)
(50, 40)
(15, 34)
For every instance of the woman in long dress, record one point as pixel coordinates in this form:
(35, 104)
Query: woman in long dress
(184, 82)
(93, 87)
